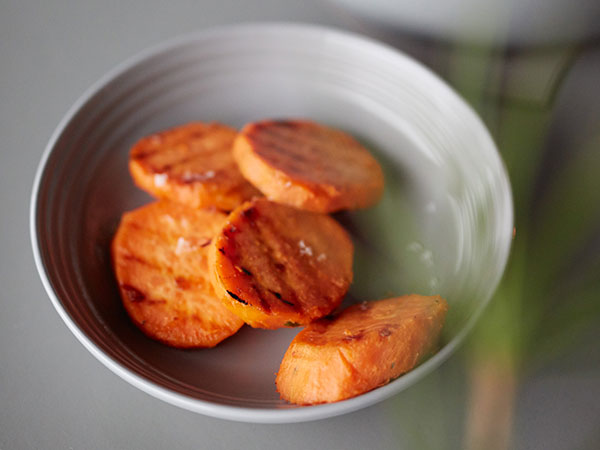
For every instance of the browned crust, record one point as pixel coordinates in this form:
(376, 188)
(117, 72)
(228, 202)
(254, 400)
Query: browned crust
(274, 265)
(191, 164)
(160, 258)
(308, 165)
(364, 347)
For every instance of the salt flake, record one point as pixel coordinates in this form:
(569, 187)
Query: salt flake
(160, 179)
(183, 246)
(304, 249)
(190, 177)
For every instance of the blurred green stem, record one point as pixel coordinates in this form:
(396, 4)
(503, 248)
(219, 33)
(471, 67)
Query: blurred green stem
(490, 406)
(497, 346)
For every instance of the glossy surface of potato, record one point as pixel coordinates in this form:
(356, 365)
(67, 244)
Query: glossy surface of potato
(275, 266)
(365, 346)
(191, 164)
(160, 258)
(308, 165)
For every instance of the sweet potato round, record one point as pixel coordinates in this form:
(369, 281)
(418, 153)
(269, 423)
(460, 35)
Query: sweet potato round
(308, 165)
(160, 258)
(191, 164)
(274, 265)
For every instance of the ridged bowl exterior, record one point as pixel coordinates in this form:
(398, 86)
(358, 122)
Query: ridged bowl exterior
(238, 74)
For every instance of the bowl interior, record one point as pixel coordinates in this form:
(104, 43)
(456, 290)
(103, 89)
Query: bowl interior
(443, 226)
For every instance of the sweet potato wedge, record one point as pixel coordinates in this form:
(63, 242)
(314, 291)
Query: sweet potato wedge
(308, 165)
(191, 164)
(275, 266)
(364, 347)
(160, 258)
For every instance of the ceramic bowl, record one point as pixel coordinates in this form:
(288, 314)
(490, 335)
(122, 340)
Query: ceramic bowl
(443, 226)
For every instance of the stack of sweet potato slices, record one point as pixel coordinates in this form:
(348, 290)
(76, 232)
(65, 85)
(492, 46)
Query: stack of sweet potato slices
(240, 233)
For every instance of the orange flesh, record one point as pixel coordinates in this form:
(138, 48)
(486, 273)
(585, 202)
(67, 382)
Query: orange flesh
(364, 347)
(191, 164)
(308, 165)
(277, 266)
(160, 258)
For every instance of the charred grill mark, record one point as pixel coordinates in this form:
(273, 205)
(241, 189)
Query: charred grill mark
(192, 154)
(298, 157)
(249, 213)
(278, 296)
(178, 162)
(263, 229)
(205, 243)
(150, 301)
(275, 145)
(274, 250)
(286, 302)
(300, 137)
(198, 133)
(261, 125)
(265, 305)
(235, 297)
(149, 146)
(243, 270)
(297, 154)
(134, 295)
(141, 155)
(287, 124)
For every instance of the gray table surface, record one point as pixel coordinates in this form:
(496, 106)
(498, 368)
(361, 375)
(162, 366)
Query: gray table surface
(55, 395)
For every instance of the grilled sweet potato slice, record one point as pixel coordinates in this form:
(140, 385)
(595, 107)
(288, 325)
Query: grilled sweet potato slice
(191, 164)
(274, 265)
(364, 347)
(308, 165)
(160, 258)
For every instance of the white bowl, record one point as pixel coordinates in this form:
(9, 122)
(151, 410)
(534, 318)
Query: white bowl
(444, 224)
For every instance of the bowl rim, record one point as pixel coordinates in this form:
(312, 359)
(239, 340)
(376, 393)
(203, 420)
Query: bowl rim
(214, 409)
